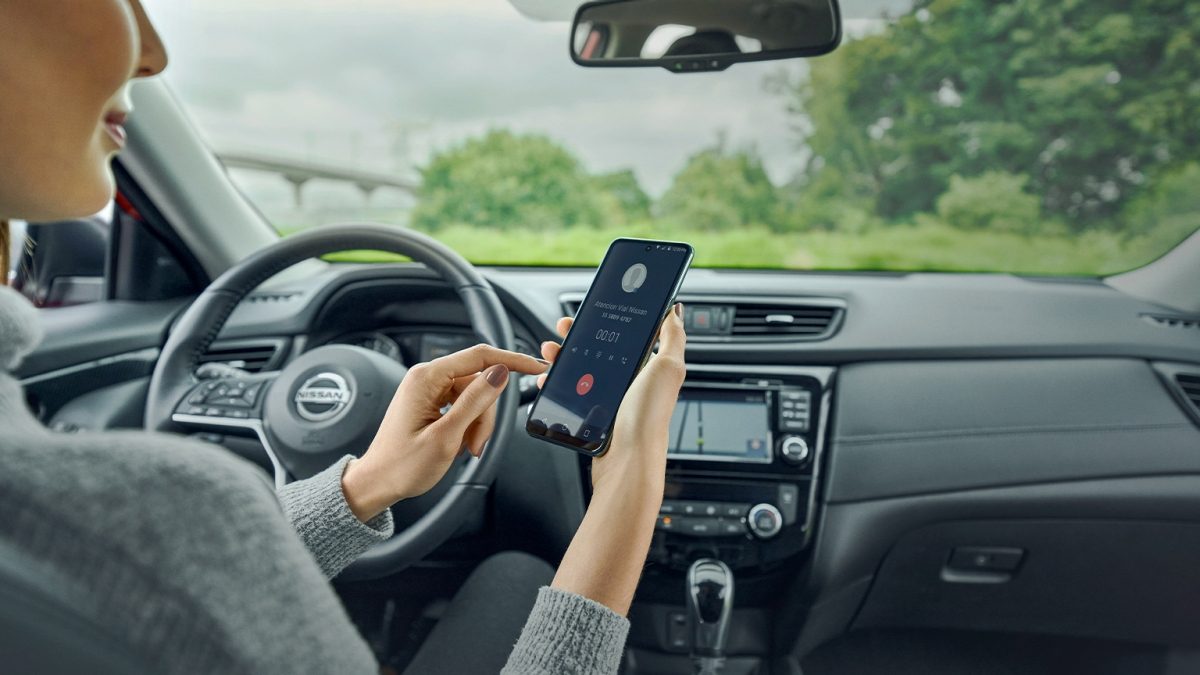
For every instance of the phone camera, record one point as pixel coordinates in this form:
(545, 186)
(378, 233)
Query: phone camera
(647, 248)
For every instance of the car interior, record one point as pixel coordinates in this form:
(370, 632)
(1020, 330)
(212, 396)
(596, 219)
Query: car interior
(919, 470)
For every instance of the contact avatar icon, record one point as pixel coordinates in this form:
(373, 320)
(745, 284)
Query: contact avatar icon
(634, 277)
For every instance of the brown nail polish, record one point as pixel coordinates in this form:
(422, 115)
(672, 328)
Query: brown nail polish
(497, 375)
(544, 362)
(679, 309)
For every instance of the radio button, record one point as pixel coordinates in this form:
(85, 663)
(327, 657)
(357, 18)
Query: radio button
(667, 523)
(789, 498)
(731, 527)
(671, 506)
(729, 510)
(700, 527)
(700, 508)
(765, 521)
(794, 450)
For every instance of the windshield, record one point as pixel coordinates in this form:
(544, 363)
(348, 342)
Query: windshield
(1032, 137)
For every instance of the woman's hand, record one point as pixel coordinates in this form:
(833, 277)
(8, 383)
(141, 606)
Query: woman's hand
(416, 443)
(605, 558)
(638, 449)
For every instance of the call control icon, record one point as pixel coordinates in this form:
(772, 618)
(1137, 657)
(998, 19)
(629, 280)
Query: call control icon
(584, 385)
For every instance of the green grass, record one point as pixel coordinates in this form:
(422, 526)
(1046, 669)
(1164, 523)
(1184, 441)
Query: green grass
(927, 246)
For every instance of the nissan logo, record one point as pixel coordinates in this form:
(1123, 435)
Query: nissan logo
(323, 396)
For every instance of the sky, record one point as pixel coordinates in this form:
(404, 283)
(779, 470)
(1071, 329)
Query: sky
(381, 84)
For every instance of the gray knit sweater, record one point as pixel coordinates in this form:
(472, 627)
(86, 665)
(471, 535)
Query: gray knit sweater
(185, 550)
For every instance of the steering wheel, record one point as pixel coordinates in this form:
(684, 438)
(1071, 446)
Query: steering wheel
(330, 401)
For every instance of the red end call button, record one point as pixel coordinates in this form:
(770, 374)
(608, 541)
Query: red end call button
(584, 385)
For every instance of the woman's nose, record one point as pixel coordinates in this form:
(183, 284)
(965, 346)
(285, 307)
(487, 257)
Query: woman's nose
(153, 59)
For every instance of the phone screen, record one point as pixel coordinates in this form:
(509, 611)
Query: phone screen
(614, 330)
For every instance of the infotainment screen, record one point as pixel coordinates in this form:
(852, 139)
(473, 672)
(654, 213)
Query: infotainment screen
(729, 425)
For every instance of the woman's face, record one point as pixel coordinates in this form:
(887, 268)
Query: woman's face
(64, 70)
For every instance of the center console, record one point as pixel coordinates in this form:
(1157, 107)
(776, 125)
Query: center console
(743, 464)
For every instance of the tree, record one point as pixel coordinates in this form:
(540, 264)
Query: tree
(629, 202)
(1169, 210)
(504, 180)
(1087, 98)
(719, 189)
(992, 201)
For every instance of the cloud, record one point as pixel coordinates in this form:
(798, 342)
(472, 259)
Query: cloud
(379, 84)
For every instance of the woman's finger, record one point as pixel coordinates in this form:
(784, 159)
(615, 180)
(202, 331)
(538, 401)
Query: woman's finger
(672, 339)
(471, 405)
(550, 350)
(481, 356)
(458, 386)
(564, 326)
(480, 431)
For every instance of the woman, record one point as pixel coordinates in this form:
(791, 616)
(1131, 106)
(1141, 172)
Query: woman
(182, 548)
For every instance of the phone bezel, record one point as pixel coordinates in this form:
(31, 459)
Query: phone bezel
(593, 449)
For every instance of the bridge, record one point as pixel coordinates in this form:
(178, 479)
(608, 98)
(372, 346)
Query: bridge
(298, 172)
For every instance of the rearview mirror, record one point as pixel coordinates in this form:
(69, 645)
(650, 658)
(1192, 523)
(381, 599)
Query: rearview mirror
(687, 36)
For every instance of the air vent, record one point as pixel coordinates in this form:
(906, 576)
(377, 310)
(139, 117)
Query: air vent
(1167, 321)
(1189, 385)
(270, 297)
(798, 321)
(250, 355)
(751, 319)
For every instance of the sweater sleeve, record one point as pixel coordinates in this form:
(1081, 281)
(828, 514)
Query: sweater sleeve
(568, 634)
(333, 534)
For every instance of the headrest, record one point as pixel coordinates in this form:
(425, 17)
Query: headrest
(704, 42)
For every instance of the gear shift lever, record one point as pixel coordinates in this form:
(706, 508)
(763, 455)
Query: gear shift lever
(710, 603)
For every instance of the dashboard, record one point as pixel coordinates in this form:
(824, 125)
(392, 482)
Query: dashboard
(863, 450)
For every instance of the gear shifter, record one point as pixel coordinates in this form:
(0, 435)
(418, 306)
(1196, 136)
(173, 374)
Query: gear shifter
(710, 604)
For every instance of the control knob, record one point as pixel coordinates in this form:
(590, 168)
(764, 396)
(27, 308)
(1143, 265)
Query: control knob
(765, 521)
(794, 449)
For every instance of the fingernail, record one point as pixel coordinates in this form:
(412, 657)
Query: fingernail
(679, 309)
(497, 375)
(544, 362)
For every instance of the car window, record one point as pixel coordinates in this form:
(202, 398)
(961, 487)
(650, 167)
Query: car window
(1032, 137)
(62, 263)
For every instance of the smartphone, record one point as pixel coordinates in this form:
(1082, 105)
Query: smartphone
(614, 331)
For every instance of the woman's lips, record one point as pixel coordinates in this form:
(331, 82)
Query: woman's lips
(114, 124)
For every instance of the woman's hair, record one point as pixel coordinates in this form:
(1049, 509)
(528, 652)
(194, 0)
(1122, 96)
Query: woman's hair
(5, 248)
